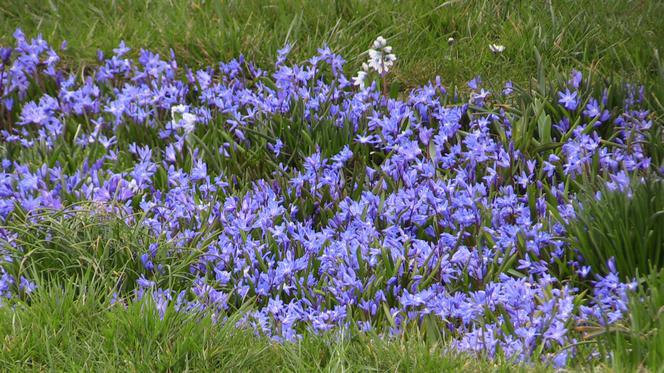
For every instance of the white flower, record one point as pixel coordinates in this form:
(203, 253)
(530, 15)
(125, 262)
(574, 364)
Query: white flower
(376, 64)
(381, 58)
(379, 43)
(359, 79)
(495, 48)
(181, 118)
(178, 109)
(451, 41)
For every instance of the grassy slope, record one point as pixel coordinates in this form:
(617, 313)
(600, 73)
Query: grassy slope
(614, 38)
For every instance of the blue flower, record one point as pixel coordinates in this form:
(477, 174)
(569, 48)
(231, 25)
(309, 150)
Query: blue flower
(568, 99)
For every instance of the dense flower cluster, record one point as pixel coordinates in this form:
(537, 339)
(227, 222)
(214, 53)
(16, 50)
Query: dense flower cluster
(433, 215)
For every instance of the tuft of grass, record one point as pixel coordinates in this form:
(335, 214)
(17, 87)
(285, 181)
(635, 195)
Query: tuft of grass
(626, 225)
(70, 245)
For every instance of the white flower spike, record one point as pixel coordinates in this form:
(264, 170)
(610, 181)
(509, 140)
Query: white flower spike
(381, 58)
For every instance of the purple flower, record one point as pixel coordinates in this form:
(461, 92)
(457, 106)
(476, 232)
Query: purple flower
(475, 83)
(568, 99)
(276, 148)
(5, 55)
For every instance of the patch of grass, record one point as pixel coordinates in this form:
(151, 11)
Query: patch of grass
(612, 38)
(63, 246)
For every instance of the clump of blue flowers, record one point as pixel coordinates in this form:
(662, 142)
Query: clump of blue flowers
(427, 211)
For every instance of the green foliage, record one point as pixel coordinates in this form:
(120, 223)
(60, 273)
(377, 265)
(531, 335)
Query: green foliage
(628, 226)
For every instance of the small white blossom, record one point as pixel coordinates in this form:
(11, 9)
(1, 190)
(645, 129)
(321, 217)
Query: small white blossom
(379, 43)
(359, 79)
(495, 48)
(189, 122)
(381, 59)
(181, 118)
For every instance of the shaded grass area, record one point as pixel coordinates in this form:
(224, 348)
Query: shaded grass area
(617, 39)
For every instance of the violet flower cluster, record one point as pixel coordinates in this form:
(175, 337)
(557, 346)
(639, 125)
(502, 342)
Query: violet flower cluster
(432, 215)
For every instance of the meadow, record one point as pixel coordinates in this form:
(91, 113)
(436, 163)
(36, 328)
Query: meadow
(331, 185)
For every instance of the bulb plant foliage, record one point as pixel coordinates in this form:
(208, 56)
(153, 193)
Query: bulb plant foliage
(623, 220)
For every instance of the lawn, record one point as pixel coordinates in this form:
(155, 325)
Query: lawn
(331, 185)
(613, 39)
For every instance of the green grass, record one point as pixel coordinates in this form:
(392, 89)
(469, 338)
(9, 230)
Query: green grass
(620, 39)
(104, 249)
(73, 327)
